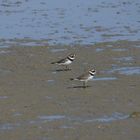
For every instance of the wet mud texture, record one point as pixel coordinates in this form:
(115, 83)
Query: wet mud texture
(38, 101)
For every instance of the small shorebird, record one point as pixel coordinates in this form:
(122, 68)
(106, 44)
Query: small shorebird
(65, 61)
(85, 77)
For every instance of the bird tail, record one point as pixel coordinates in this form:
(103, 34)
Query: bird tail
(72, 79)
(53, 62)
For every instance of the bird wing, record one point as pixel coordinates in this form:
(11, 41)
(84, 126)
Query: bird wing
(59, 61)
(83, 76)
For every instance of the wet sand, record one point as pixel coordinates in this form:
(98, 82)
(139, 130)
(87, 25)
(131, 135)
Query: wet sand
(39, 102)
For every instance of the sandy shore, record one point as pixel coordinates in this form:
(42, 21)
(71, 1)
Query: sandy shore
(39, 102)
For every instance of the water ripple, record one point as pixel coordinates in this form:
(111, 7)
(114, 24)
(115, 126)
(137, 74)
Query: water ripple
(126, 70)
(51, 20)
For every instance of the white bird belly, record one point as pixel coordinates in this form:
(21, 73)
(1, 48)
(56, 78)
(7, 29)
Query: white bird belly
(66, 63)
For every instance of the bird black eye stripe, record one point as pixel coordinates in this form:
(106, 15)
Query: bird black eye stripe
(71, 59)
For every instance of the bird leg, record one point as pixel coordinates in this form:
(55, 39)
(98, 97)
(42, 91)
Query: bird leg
(84, 84)
(66, 67)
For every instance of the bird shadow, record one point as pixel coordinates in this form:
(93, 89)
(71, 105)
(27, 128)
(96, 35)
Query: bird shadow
(59, 70)
(78, 87)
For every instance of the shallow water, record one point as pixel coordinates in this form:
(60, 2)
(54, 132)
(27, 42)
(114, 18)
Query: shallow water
(125, 59)
(126, 70)
(107, 119)
(105, 78)
(3, 97)
(71, 119)
(52, 118)
(39, 22)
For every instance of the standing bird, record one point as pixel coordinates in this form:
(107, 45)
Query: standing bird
(65, 61)
(85, 77)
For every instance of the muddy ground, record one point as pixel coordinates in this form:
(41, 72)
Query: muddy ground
(39, 102)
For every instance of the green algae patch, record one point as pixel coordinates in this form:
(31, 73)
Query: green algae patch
(134, 115)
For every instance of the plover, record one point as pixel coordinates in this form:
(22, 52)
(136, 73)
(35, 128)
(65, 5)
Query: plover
(65, 61)
(85, 77)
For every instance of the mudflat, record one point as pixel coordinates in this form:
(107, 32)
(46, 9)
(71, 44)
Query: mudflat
(39, 102)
